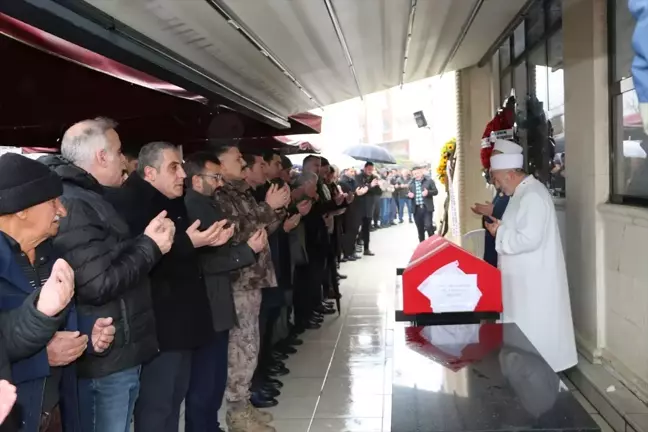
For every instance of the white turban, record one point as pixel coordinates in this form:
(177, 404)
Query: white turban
(507, 147)
(501, 162)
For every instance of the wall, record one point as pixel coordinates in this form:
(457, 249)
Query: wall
(587, 141)
(476, 112)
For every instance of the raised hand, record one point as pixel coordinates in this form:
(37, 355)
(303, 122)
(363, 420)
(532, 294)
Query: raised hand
(205, 238)
(58, 290)
(258, 240)
(7, 399)
(493, 226)
(339, 199)
(292, 222)
(425, 192)
(65, 347)
(224, 235)
(161, 230)
(103, 334)
(410, 195)
(277, 197)
(304, 207)
(485, 209)
(350, 198)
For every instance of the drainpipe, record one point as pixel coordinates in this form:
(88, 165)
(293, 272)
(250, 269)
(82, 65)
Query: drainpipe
(459, 180)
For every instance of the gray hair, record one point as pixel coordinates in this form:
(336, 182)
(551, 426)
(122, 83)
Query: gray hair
(81, 141)
(151, 155)
(304, 178)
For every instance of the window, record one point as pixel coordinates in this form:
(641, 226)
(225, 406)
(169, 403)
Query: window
(505, 55)
(536, 75)
(629, 143)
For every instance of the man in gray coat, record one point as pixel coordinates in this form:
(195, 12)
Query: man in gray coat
(209, 363)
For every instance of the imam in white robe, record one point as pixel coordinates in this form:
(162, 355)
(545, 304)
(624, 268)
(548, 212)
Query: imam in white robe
(535, 292)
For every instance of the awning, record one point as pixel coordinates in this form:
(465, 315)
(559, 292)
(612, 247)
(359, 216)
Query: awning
(55, 83)
(280, 57)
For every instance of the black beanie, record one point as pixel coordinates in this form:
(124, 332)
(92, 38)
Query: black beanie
(25, 183)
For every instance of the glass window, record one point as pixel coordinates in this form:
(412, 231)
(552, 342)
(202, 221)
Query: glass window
(505, 54)
(623, 28)
(554, 11)
(535, 23)
(519, 41)
(505, 88)
(630, 148)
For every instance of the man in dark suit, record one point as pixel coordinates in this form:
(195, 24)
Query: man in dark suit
(422, 191)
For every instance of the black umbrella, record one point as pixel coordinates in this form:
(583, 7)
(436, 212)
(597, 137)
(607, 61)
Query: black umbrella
(370, 153)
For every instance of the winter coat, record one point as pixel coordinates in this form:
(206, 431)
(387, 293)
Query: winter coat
(218, 262)
(368, 202)
(426, 184)
(110, 269)
(180, 303)
(24, 334)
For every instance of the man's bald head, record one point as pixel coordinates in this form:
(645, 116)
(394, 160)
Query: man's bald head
(94, 146)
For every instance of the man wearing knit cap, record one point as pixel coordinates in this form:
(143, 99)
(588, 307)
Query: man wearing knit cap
(535, 292)
(30, 213)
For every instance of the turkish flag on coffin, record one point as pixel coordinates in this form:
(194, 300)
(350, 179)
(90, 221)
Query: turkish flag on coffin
(437, 252)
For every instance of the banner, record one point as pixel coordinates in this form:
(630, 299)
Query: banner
(453, 211)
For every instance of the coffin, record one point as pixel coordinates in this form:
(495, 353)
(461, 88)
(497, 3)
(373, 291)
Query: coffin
(429, 271)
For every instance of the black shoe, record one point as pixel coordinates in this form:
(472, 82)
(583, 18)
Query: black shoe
(258, 401)
(349, 258)
(286, 349)
(295, 342)
(278, 370)
(342, 277)
(313, 326)
(275, 383)
(279, 355)
(268, 392)
(368, 253)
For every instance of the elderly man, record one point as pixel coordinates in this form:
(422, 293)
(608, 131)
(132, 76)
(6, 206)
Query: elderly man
(534, 278)
(111, 270)
(240, 207)
(180, 303)
(30, 214)
(209, 363)
(498, 206)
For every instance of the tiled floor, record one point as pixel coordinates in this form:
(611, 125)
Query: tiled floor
(340, 379)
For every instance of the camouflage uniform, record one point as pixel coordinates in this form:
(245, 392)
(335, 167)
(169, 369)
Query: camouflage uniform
(240, 207)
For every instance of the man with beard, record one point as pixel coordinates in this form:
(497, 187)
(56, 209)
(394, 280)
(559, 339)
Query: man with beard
(30, 214)
(209, 363)
(111, 270)
(180, 303)
(240, 207)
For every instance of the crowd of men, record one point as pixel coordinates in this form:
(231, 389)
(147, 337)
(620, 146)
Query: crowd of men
(391, 193)
(123, 294)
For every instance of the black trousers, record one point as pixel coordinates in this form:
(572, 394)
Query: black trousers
(307, 294)
(207, 385)
(366, 231)
(352, 221)
(270, 312)
(164, 383)
(423, 220)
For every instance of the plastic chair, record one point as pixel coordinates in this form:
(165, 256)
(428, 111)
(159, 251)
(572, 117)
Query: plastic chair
(473, 242)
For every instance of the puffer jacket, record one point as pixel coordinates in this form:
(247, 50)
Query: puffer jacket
(111, 270)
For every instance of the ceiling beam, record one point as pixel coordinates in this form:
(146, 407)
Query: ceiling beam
(236, 22)
(408, 39)
(343, 43)
(465, 28)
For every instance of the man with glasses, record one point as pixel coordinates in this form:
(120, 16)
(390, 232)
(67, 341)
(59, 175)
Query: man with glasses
(209, 363)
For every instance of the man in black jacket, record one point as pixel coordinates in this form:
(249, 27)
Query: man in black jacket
(422, 191)
(111, 270)
(368, 202)
(209, 363)
(180, 303)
